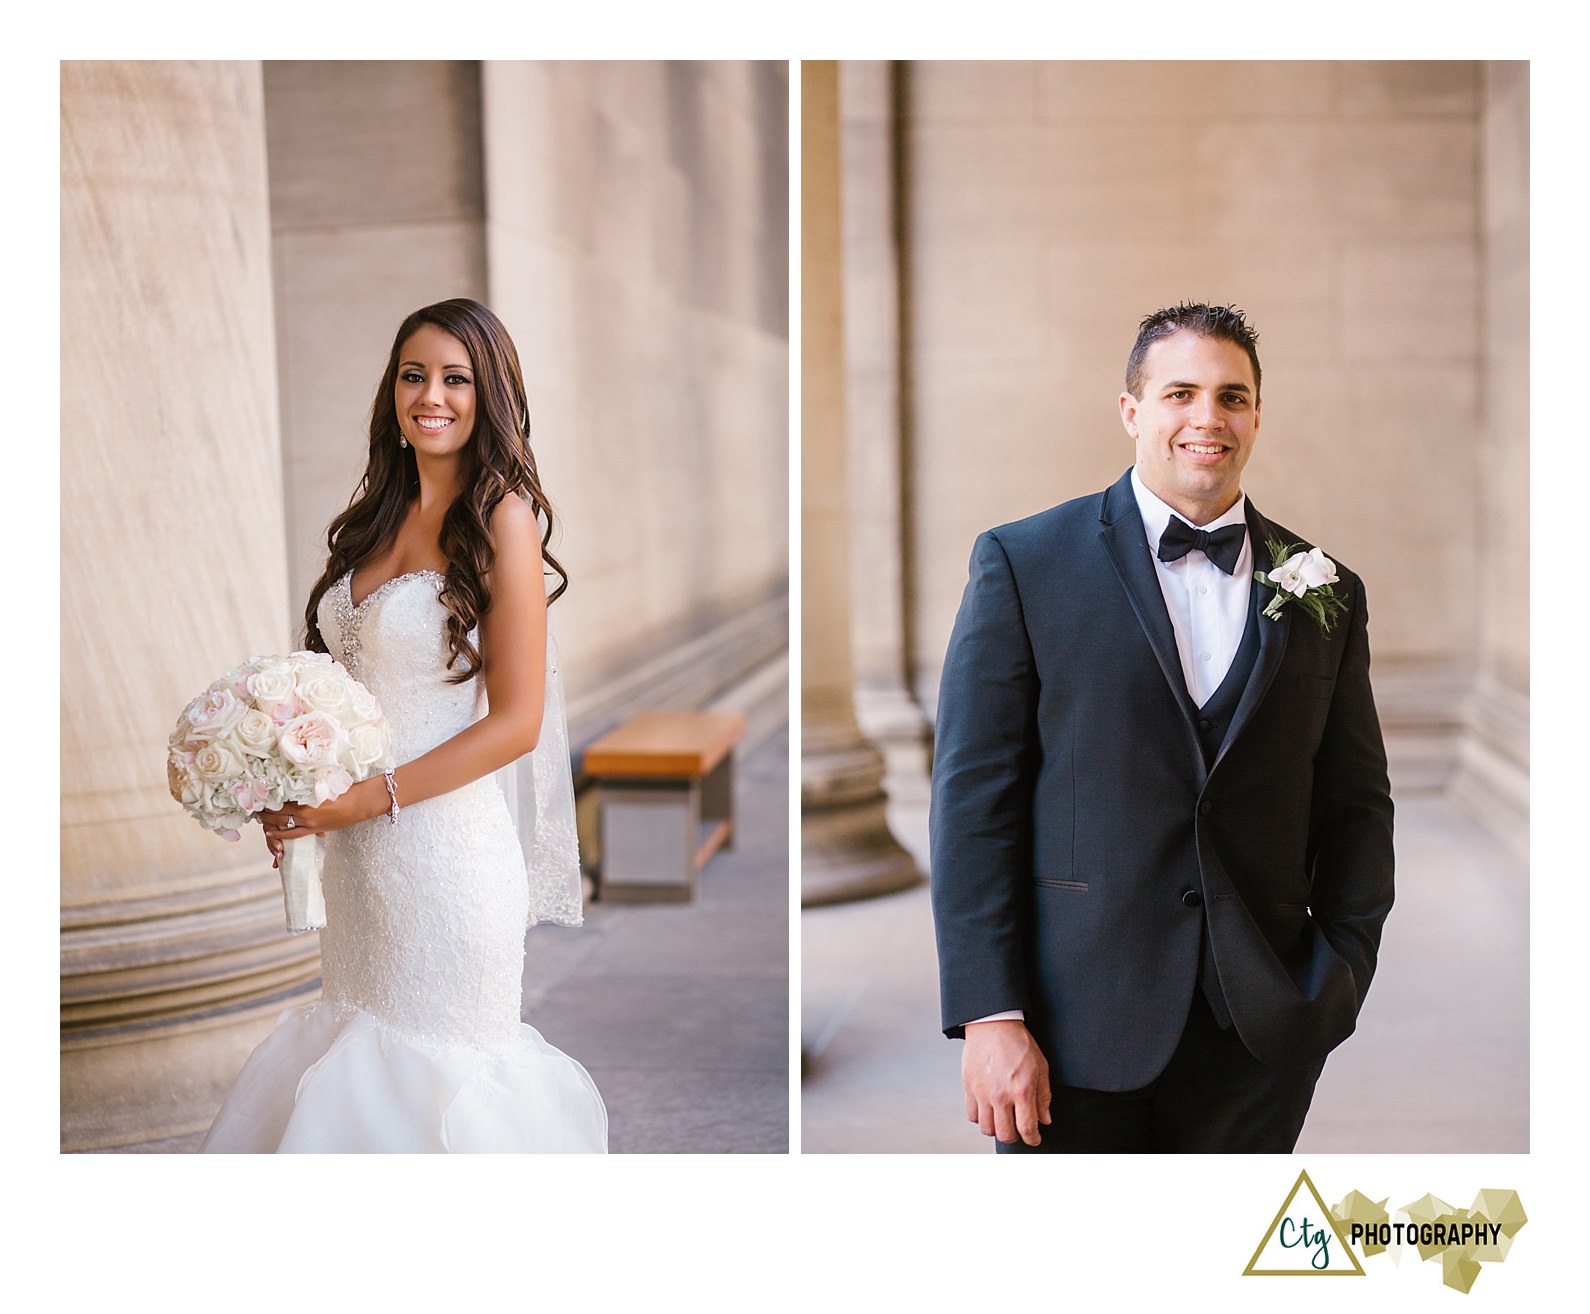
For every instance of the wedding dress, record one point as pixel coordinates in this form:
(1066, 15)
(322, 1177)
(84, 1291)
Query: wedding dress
(416, 1042)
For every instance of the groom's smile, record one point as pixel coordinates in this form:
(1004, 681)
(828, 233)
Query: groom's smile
(1195, 424)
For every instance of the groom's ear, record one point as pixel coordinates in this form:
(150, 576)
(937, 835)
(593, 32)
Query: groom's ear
(1129, 414)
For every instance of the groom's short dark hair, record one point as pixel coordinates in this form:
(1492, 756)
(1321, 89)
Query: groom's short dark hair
(1223, 322)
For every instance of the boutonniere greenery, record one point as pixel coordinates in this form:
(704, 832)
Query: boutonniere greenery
(1305, 578)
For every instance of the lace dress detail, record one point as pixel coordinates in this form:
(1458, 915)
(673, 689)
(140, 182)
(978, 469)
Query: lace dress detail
(416, 1042)
(556, 892)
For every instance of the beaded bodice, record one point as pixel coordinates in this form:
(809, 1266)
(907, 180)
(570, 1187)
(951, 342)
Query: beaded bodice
(395, 643)
(425, 917)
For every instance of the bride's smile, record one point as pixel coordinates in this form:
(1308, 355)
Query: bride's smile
(434, 392)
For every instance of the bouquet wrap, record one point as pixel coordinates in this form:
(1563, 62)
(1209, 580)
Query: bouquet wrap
(301, 888)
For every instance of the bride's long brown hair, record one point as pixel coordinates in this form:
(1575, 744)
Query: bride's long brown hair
(498, 463)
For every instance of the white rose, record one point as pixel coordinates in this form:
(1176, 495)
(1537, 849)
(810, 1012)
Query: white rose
(271, 685)
(362, 703)
(366, 746)
(309, 740)
(256, 733)
(217, 761)
(213, 713)
(320, 691)
(317, 658)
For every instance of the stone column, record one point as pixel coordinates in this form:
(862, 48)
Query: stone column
(1493, 766)
(846, 848)
(174, 960)
(876, 424)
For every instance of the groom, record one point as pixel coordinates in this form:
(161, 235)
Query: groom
(1161, 824)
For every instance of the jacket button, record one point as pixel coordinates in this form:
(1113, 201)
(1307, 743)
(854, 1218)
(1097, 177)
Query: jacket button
(1191, 898)
(1205, 807)
(1205, 726)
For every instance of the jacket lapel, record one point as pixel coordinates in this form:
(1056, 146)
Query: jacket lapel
(1125, 542)
(1272, 636)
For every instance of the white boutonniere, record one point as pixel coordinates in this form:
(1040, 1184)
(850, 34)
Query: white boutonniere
(1305, 578)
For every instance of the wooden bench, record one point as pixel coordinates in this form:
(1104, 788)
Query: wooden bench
(665, 783)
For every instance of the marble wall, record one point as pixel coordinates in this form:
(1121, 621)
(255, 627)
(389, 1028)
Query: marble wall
(1046, 207)
(637, 248)
(628, 221)
(376, 209)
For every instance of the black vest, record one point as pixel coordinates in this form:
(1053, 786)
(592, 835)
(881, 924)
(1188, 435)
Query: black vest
(1214, 723)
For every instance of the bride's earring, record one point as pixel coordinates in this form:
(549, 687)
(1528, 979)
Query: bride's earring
(402, 441)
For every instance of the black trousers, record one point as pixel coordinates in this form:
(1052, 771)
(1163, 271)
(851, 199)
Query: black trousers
(1213, 1097)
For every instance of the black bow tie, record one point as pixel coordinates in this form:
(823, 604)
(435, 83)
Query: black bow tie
(1222, 546)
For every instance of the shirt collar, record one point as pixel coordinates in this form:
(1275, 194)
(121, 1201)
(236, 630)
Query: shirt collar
(1156, 513)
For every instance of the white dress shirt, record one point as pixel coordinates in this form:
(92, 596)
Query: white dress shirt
(1208, 609)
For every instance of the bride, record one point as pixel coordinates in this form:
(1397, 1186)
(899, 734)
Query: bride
(434, 596)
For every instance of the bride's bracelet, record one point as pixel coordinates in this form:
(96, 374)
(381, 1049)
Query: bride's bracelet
(391, 788)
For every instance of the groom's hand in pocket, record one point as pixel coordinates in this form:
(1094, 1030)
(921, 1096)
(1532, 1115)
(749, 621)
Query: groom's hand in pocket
(1007, 1080)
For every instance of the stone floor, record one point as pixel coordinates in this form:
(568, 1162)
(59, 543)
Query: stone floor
(1440, 1061)
(681, 1011)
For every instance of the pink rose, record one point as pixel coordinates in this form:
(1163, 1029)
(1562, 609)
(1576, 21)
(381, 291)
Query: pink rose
(282, 713)
(309, 740)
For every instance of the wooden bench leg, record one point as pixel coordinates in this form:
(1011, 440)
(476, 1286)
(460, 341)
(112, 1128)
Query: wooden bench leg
(650, 835)
(658, 834)
(717, 799)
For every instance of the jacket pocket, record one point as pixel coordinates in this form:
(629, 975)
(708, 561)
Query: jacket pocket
(1317, 686)
(1059, 885)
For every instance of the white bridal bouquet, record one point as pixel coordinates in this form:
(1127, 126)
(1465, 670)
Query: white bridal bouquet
(275, 730)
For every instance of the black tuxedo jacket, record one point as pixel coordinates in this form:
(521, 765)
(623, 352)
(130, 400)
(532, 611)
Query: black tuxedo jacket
(1079, 841)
